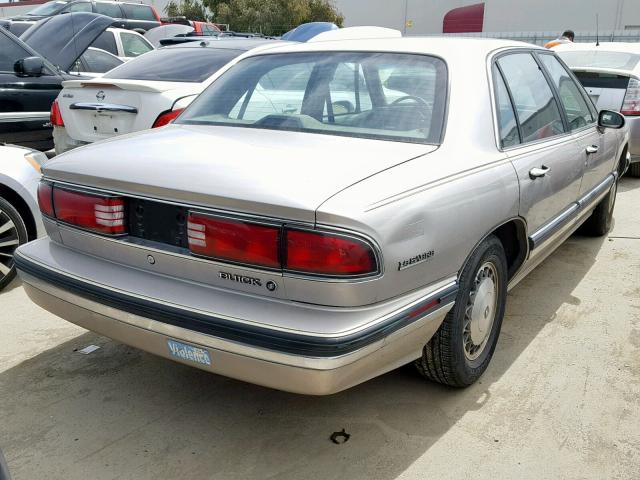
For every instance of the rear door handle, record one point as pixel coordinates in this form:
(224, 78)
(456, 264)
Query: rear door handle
(592, 149)
(538, 172)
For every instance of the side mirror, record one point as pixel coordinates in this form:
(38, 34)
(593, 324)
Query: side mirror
(610, 119)
(29, 66)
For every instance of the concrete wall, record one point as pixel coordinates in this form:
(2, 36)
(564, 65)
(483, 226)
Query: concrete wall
(500, 15)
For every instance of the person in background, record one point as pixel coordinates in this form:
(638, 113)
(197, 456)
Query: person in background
(567, 37)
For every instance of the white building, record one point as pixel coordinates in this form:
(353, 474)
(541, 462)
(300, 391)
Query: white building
(419, 17)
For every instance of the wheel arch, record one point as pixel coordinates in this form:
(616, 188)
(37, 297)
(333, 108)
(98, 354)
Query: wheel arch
(23, 209)
(512, 234)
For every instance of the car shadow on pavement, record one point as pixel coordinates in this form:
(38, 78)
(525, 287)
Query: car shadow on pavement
(119, 412)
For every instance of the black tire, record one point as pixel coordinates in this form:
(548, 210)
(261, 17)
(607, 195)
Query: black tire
(634, 169)
(14, 235)
(445, 358)
(599, 223)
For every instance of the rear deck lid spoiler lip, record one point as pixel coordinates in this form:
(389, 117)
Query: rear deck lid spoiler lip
(132, 85)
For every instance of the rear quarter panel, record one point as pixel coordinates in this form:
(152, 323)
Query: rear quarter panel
(442, 219)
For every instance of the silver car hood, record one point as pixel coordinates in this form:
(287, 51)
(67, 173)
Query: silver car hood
(278, 174)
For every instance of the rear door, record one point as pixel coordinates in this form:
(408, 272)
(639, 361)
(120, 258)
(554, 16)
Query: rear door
(25, 102)
(110, 9)
(535, 135)
(140, 16)
(599, 147)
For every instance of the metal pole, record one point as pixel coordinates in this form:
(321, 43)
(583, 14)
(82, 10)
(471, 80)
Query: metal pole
(406, 9)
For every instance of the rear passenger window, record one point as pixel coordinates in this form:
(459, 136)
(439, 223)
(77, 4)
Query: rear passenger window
(134, 45)
(533, 99)
(507, 124)
(109, 9)
(79, 7)
(106, 42)
(138, 12)
(573, 101)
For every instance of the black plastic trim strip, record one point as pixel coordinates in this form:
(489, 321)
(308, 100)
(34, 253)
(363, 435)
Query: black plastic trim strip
(229, 330)
(538, 237)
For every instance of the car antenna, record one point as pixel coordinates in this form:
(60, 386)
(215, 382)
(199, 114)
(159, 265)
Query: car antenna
(597, 33)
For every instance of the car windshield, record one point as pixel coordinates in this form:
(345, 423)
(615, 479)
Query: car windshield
(386, 96)
(175, 65)
(600, 59)
(48, 8)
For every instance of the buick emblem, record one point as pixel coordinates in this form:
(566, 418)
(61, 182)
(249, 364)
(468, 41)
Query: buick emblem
(100, 96)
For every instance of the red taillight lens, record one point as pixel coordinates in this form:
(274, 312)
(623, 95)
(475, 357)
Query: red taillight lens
(234, 240)
(327, 254)
(166, 117)
(56, 117)
(93, 212)
(631, 103)
(45, 200)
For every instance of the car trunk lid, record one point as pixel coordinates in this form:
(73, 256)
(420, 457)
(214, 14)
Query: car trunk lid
(94, 110)
(606, 89)
(276, 174)
(62, 39)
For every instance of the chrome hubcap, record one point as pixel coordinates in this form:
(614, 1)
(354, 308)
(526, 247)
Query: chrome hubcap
(9, 241)
(480, 311)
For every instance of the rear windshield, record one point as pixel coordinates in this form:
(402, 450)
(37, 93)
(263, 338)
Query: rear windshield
(175, 65)
(600, 59)
(47, 8)
(138, 12)
(369, 95)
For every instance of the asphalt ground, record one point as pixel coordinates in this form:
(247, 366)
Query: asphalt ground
(560, 400)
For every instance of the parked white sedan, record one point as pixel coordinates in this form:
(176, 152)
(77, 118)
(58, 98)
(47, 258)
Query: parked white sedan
(146, 92)
(124, 44)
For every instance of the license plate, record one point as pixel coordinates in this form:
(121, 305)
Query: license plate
(184, 351)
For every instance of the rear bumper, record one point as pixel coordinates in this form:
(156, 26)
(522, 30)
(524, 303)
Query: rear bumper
(298, 362)
(62, 142)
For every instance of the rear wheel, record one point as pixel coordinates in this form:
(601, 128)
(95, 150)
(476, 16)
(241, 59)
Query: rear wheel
(599, 223)
(634, 169)
(12, 234)
(461, 349)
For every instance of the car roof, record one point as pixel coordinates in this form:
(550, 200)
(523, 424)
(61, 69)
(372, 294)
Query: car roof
(438, 46)
(228, 43)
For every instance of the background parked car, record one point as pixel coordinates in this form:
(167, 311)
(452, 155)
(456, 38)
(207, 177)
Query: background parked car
(94, 62)
(20, 219)
(129, 15)
(166, 31)
(148, 91)
(32, 70)
(125, 44)
(610, 73)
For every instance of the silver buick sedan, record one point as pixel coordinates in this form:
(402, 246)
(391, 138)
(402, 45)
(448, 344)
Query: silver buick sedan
(326, 212)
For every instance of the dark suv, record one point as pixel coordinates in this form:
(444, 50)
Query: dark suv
(134, 16)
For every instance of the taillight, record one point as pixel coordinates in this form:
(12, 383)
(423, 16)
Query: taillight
(94, 212)
(45, 198)
(55, 117)
(327, 254)
(166, 117)
(631, 103)
(234, 240)
(303, 251)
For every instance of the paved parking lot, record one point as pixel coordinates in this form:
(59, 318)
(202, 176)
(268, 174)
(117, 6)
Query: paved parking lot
(561, 398)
